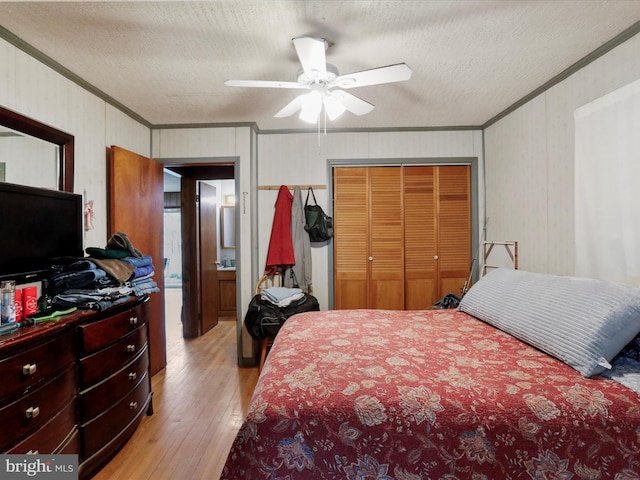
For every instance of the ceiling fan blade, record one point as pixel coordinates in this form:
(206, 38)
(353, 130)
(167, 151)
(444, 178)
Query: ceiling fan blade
(311, 52)
(292, 107)
(262, 84)
(391, 73)
(352, 103)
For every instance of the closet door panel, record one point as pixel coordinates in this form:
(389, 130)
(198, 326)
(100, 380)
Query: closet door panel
(421, 282)
(454, 227)
(386, 230)
(351, 238)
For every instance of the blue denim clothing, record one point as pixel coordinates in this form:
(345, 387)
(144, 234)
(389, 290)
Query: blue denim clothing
(139, 262)
(85, 284)
(76, 279)
(92, 299)
(143, 271)
(145, 288)
(98, 305)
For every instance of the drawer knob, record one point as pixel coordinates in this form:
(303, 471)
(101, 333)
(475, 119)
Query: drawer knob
(133, 320)
(133, 405)
(33, 452)
(29, 369)
(131, 348)
(32, 412)
(133, 376)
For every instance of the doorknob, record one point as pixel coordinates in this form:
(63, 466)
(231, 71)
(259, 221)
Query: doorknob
(435, 257)
(371, 259)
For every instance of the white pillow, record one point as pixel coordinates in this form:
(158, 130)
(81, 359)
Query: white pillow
(582, 322)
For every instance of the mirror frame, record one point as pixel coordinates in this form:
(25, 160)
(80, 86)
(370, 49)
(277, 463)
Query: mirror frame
(227, 231)
(20, 123)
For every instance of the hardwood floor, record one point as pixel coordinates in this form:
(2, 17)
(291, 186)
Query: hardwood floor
(199, 402)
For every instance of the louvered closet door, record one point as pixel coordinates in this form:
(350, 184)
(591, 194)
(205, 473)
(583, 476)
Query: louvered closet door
(420, 200)
(351, 237)
(368, 238)
(402, 236)
(454, 227)
(386, 238)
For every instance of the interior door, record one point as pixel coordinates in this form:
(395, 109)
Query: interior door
(136, 208)
(386, 238)
(422, 287)
(199, 252)
(402, 235)
(454, 227)
(207, 235)
(368, 238)
(351, 237)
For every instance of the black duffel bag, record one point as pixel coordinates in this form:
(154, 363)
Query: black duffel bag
(264, 319)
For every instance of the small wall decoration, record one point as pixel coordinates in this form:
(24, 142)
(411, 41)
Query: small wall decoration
(89, 215)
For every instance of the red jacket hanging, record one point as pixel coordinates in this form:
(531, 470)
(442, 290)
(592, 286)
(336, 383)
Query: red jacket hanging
(280, 253)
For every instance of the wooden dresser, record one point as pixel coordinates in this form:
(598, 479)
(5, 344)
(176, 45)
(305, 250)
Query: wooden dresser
(80, 385)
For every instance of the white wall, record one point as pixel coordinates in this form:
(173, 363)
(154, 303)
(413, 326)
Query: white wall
(36, 91)
(529, 157)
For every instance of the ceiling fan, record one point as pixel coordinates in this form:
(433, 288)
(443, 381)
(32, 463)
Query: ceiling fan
(326, 86)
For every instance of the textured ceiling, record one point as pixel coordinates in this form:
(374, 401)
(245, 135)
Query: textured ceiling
(167, 61)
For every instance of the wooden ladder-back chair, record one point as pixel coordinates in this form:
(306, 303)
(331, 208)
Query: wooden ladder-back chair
(266, 281)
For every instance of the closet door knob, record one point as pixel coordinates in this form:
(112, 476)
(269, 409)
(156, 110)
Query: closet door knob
(435, 257)
(371, 259)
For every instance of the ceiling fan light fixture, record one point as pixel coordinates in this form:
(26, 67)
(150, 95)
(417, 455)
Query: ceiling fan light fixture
(311, 107)
(327, 88)
(333, 106)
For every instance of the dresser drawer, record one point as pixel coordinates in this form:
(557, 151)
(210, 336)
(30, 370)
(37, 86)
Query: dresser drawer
(98, 398)
(97, 335)
(22, 371)
(71, 446)
(100, 431)
(100, 365)
(31, 412)
(53, 436)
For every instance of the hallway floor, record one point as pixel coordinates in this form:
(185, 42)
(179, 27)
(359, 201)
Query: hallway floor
(199, 401)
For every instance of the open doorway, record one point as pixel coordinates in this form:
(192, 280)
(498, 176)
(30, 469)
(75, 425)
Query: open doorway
(181, 302)
(172, 261)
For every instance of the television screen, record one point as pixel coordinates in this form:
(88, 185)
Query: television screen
(37, 225)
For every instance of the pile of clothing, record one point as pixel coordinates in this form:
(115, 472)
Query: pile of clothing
(282, 296)
(107, 277)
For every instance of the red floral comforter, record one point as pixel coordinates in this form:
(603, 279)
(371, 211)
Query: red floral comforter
(366, 394)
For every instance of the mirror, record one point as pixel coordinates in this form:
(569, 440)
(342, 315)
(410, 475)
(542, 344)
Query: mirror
(228, 226)
(45, 149)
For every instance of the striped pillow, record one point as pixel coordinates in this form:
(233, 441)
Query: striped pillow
(582, 322)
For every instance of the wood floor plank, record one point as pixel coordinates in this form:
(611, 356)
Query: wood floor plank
(199, 401)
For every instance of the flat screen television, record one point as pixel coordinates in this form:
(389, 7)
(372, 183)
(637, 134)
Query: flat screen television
(37, 225)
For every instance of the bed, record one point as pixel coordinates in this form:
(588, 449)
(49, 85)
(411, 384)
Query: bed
(445, 394)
